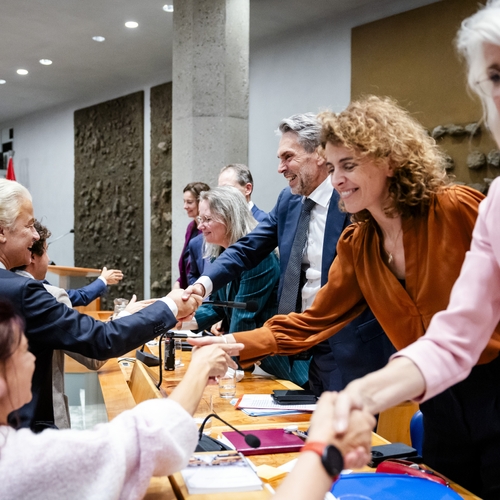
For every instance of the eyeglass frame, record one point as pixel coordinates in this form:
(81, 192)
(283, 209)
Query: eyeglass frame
(492, 85)
(207, 222)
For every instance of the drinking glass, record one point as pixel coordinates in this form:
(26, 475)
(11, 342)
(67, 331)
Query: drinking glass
(178, 352)
(227, 385)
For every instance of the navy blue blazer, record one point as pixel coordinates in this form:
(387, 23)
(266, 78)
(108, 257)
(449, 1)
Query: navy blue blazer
(359, 348)
(85, 295)
(258, 214)
(51, 325)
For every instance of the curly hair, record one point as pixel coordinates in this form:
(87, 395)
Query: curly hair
(378, 128)
(38, 247)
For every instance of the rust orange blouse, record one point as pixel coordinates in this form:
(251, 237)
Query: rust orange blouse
(435, 245)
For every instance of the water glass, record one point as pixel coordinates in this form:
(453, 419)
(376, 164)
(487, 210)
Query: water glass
(227, 385)
(120, 305)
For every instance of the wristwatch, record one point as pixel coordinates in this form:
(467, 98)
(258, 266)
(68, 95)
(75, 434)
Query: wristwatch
(331, 458)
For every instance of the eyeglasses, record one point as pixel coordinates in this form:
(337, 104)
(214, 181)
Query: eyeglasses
(204, 220)
(490, 84)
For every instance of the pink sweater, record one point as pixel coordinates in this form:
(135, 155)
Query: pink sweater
(112, 461)
(456, 337)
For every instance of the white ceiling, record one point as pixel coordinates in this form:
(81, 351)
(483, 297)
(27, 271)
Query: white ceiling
(62, 30)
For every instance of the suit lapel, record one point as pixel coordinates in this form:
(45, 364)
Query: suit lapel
(336, 222)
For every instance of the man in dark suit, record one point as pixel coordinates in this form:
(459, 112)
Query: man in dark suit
(51, 325)
(238, 176)
(362, 346)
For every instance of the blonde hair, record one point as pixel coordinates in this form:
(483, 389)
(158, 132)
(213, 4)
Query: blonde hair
(376, 127)
(229, 206)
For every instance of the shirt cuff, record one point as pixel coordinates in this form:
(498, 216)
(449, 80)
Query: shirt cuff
(207, 284)
(190, 325)
(102, 278)
(171, 304)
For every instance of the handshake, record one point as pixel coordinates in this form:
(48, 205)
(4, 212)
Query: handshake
(187, 301)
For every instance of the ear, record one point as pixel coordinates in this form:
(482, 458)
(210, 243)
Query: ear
(320, 159)
(3, 238)
(248, 189)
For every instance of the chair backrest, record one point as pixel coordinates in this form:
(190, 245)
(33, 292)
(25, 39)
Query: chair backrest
(394, 423)
(141, 385)
(417, 431)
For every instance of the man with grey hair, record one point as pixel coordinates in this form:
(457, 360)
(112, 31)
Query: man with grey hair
(305, 224)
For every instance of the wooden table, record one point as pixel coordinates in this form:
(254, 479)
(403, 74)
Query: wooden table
(118, 398)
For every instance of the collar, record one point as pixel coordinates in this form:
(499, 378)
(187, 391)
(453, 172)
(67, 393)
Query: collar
(250, 204)
(323, 193)
(2, 266)
(26, 274)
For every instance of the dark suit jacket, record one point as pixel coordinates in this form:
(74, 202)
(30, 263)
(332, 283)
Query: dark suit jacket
(259, 284)
(359, 348)
(84, 296)
(51, 325)
(258, 214)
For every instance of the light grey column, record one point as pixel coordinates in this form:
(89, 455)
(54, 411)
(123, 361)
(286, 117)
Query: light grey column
(210, 97)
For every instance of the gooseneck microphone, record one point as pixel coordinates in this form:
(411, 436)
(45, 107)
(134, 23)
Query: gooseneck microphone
(250, 306)
(250, 439)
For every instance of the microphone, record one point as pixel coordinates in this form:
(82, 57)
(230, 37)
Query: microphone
(250, 439)
(71, 231)
(250, 306)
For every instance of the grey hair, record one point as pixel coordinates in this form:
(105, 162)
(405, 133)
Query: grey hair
(478, 29)
(243, 174)
(12, 196)
(306, 127)
(228, 205)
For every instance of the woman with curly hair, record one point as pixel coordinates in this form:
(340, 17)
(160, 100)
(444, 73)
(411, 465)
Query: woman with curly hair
(401, 257)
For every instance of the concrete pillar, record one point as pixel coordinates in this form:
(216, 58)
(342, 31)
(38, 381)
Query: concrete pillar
(210, 97)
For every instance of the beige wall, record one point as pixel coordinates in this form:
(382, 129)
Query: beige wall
(411, 57)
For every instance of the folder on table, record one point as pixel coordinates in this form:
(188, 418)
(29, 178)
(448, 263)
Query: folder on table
(271, 441)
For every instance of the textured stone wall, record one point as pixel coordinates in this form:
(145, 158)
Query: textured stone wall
(161, 189)
(109, 191)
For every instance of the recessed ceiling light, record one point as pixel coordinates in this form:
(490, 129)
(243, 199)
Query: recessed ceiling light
(22, 71)
(131, 24)
(98, 38)
(168, 8)
(45, 62)
(2, 82)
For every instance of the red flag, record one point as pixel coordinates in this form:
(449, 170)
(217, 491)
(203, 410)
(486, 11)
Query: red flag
(11, 176)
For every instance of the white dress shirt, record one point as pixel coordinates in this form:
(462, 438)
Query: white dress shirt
(313, 252)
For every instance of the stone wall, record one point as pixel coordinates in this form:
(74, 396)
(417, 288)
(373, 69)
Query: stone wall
(161, 189)
(109, 191)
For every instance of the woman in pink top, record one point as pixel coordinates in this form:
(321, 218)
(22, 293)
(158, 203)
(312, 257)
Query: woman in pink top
(449, 350)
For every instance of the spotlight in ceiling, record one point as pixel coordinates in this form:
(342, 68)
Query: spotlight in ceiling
(131, 24)
(45, 62)
(98, 38)
(2, 82)
(168, 8)
(22, 71)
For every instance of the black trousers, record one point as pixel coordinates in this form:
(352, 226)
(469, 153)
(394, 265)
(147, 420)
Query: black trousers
(462, 431)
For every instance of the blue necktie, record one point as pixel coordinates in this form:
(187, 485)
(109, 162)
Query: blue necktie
(280, 366)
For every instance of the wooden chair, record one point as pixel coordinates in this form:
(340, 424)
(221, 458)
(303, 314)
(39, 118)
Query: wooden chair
(99, 315)
(141, 385)
(394, 423)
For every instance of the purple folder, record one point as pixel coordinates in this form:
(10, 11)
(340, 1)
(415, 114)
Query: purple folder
(271, 441)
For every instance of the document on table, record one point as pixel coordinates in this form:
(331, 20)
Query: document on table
(265, 402)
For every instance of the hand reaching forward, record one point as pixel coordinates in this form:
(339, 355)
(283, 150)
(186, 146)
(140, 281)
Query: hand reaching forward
(196, 289)
(133, 306)
(216, 357)
(112, 276)
(186, 308)
(354, 443)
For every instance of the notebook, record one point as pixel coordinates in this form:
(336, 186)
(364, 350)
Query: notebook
(271, 441)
